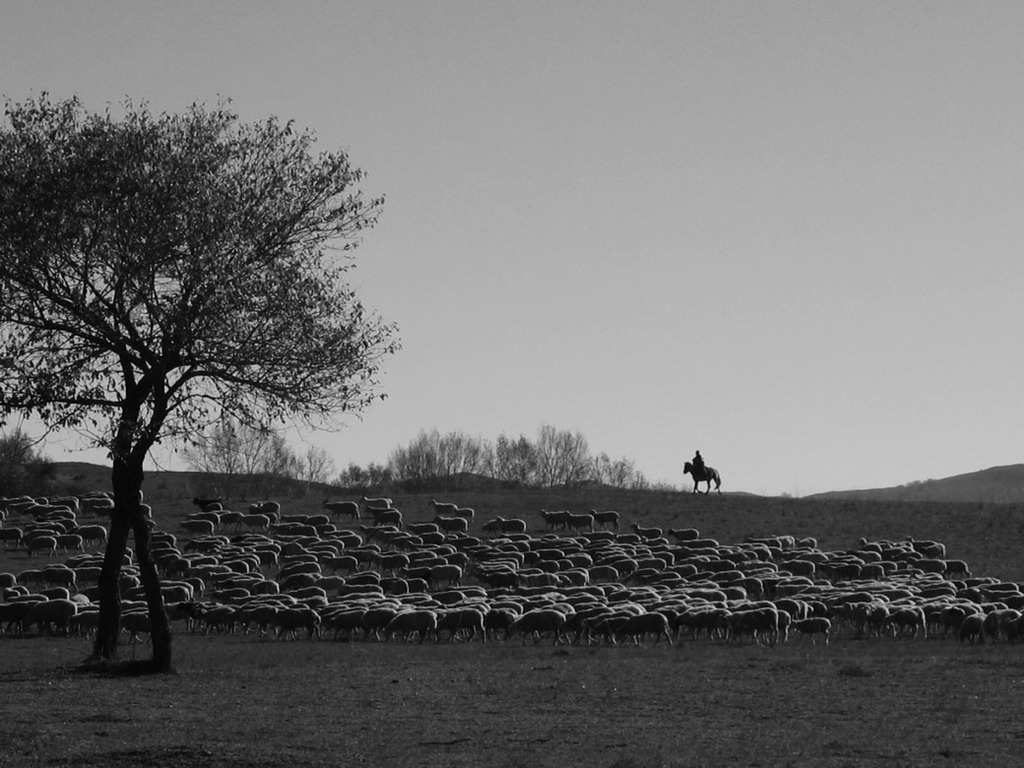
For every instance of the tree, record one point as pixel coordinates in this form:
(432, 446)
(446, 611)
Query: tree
(514, 461)
(563, 458)
(316, 467)
(161, 271)
(438, 461)
(23, 468)
(246, 458)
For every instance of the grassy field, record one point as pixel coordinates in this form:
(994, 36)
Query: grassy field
(238, 701)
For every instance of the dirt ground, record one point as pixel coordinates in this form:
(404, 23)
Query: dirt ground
(237, 702)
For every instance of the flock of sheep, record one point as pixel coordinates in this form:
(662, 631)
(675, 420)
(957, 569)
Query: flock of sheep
(361, 571)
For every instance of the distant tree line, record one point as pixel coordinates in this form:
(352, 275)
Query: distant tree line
(243, 462)
(246, 462)
(435, 461)
(23, 467)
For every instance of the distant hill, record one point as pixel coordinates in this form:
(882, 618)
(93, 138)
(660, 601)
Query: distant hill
(996, 485)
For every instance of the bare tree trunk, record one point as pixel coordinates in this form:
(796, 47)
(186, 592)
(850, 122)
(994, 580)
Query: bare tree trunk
(109, 626)
(159, 625)
(126, 480)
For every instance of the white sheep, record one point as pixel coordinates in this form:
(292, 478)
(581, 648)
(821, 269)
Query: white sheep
(537, 621)
(646, 533)
(52, 616)
(388, 516)
(418, 621)
(609, 518)
(452, 524)
(457, 619)
(555, 520)
(342, 508)
(271, 509)
(379, 502)
(446, 508)
(972, 628)
(448, 573)
(652, 623)
(198, 527)
(578, 522)
(11, 534)
(812, 626)
(93, 535)
(46, 544)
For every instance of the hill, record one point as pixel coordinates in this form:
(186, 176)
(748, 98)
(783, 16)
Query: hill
(986, 535)
(996, 485)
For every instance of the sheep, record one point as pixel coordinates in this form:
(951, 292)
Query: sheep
(465, 512)
(577, 522)
(347, 563)
(446, 508)
(13, 614)
(388, 516)
(207, 505)
(646, 533)
(492, 526)
(536, 621)
(342, 619)
(513, 525)
(135, 623)
(420, 621)
(42, 544)
(933, 549)
(907, 619)
(11, 534)
(271, 509)
(380, 502)
(52, 616)
(996, 622)
(96, 504)
(957, 568)
(341, 508)
(198, 527)
(555, 520)
(647, 623)
(256, 521)
(290, 619)
(814, 625)
(609, 518)
(448, 573)
(760, 623)
(59, 575)
(85, 622)
(93, 535)
(972, 628)
(376, 620)
(456, 619)
(216, 617)
(69, 541)
(452, 524)
(501, 525)
(421, 528)
(393, 561)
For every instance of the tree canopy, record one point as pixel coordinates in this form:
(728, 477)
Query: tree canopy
(161, 272)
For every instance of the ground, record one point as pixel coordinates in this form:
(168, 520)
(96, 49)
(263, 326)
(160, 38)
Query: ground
(237, 702)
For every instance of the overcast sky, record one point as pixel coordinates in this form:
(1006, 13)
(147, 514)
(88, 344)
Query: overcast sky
(787, 234)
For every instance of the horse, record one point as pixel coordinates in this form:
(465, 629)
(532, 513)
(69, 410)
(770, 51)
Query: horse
(706, 475)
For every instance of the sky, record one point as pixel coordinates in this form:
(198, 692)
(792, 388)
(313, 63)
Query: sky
(787, 234)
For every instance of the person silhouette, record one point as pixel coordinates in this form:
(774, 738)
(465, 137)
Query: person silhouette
(698, 463)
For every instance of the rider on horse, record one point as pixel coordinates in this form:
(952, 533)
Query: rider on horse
(702, 473)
